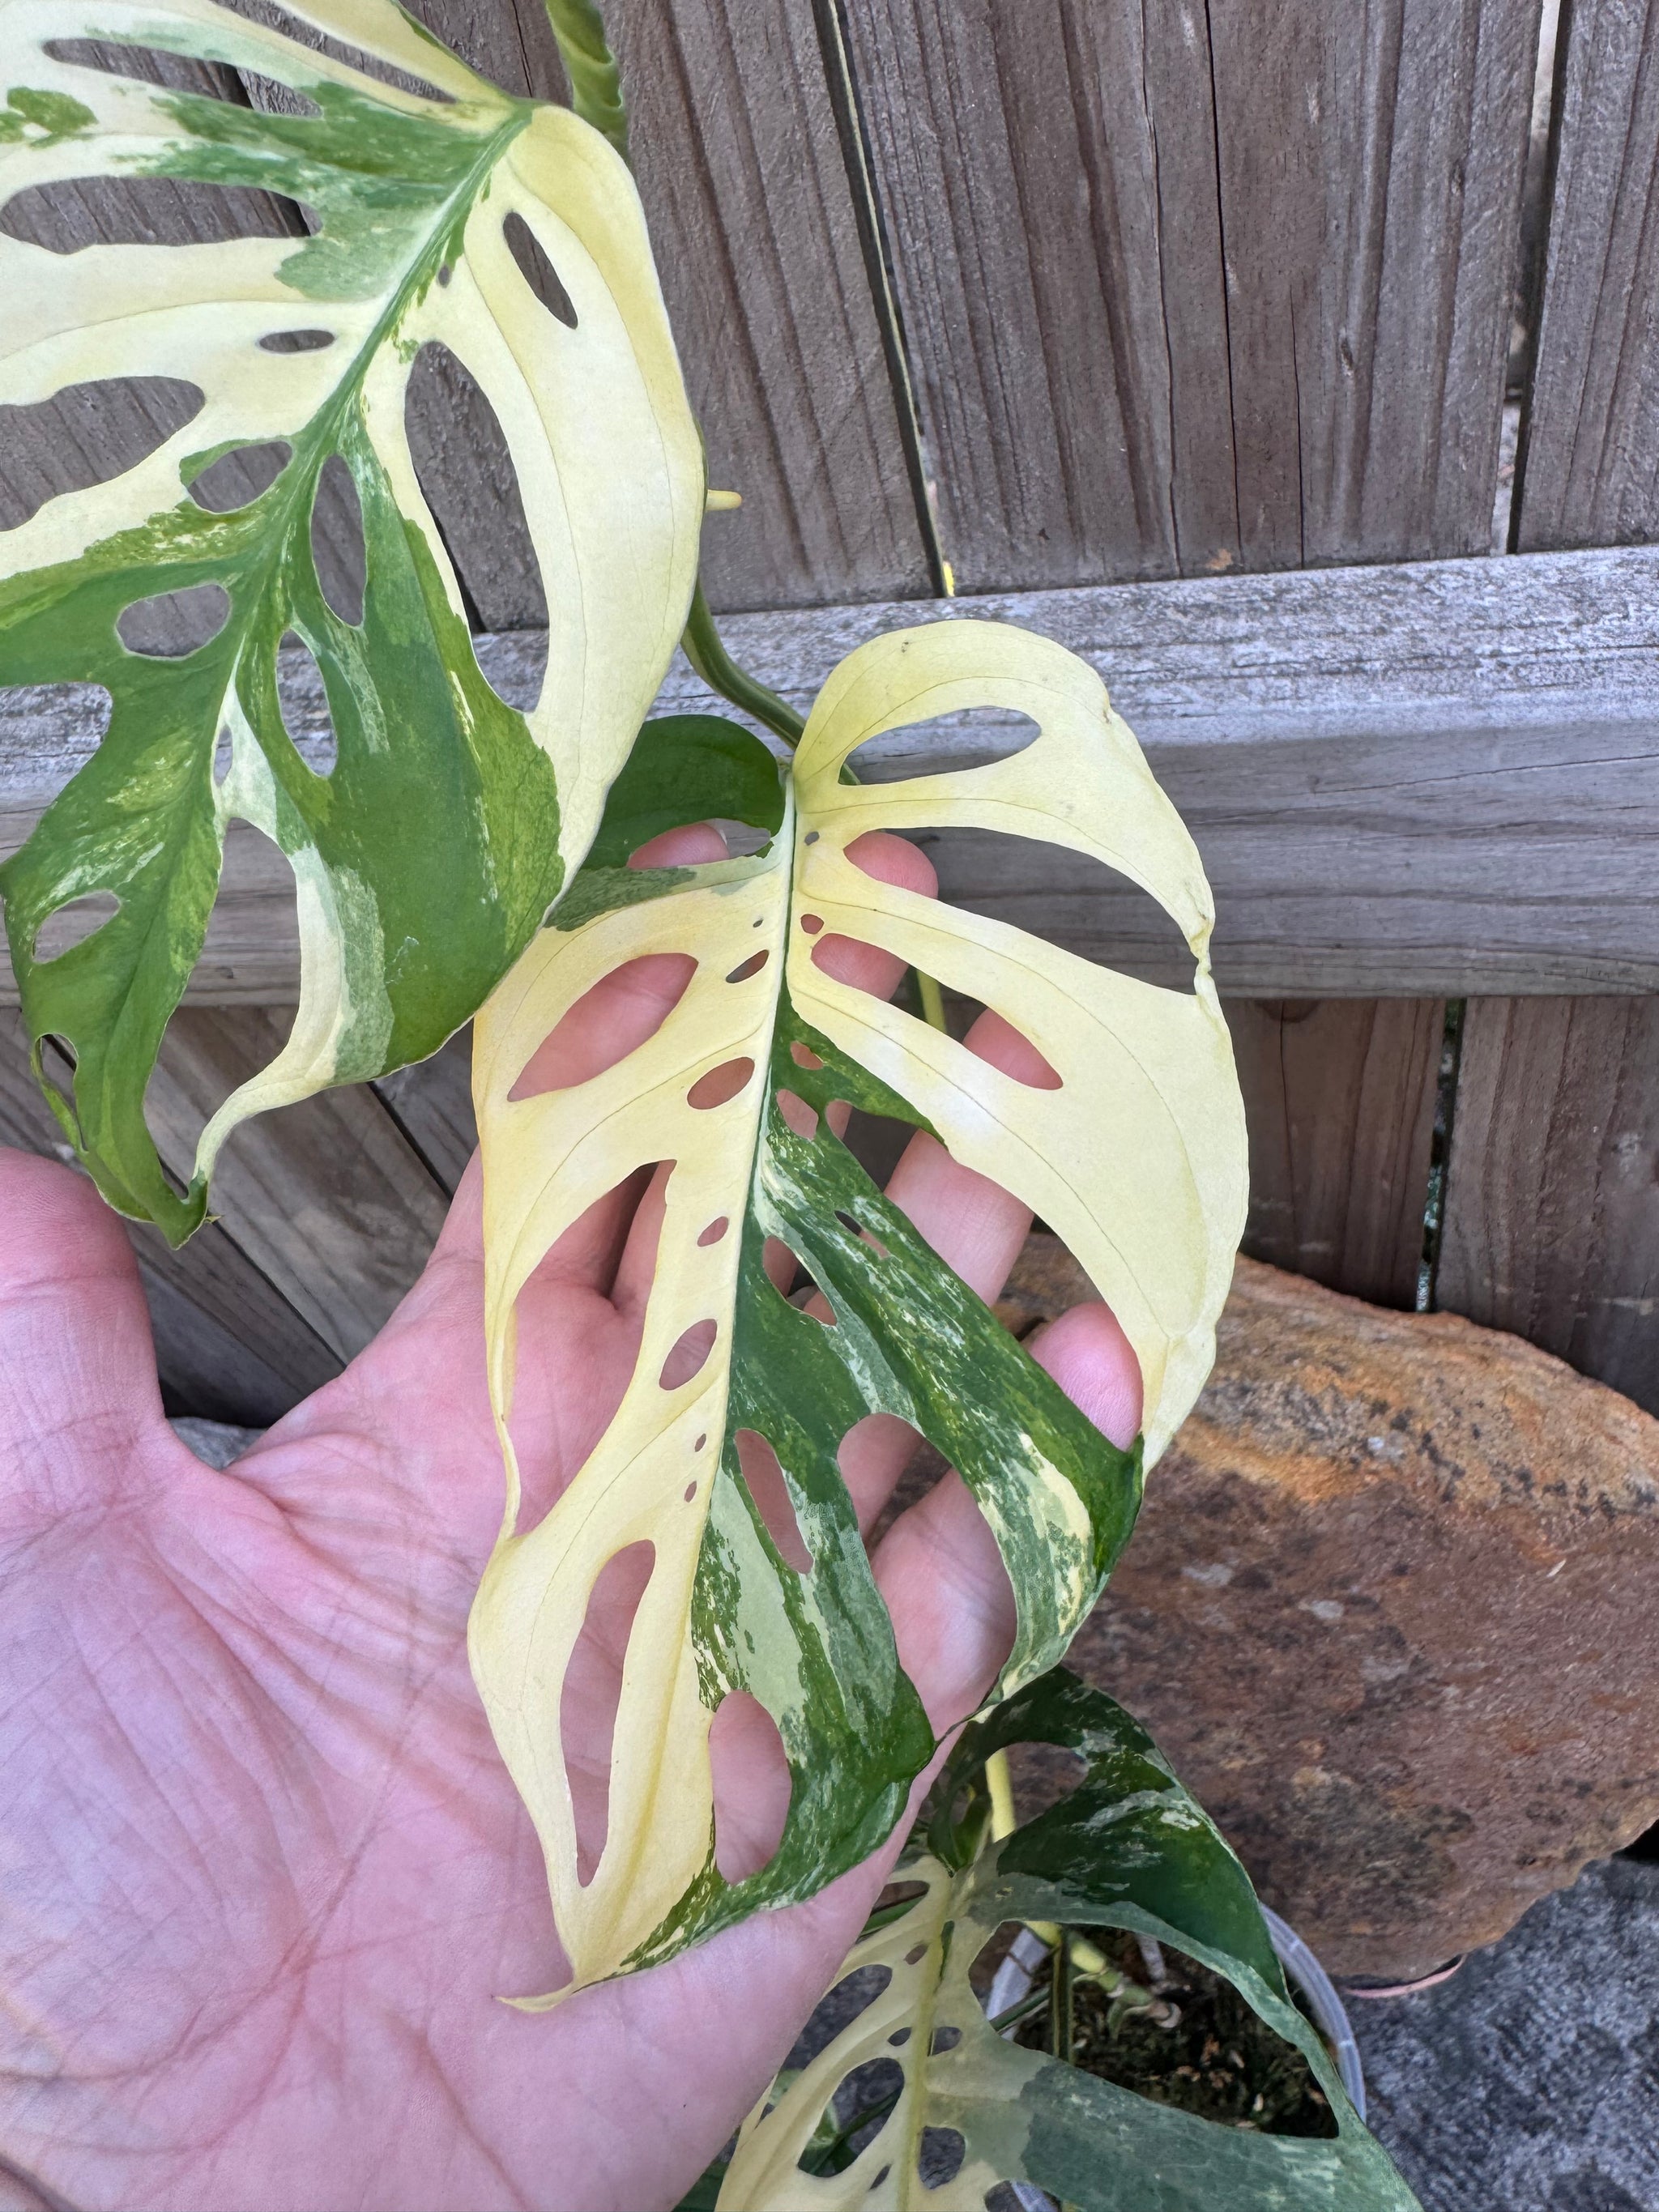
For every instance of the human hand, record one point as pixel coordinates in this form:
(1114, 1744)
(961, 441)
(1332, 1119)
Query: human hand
(262, 1875)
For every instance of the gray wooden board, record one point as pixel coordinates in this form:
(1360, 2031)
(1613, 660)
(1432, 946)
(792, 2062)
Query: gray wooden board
(432, 1104)
(1589, 472)
(1427, 779)
(1189, 289)
(227, 1344)
(1552, 1208)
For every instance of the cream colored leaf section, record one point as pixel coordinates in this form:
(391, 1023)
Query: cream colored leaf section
(1138, 1161)
(547, 1159)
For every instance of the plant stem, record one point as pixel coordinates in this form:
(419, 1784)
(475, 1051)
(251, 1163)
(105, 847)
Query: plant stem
(595, 83)
(706, 653)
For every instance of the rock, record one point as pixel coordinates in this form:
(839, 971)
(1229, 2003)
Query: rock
(1392, 1612)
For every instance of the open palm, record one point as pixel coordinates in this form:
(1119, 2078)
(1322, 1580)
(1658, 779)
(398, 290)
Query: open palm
(263, 1878)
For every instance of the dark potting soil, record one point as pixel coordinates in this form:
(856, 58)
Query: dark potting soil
(1216, 2060)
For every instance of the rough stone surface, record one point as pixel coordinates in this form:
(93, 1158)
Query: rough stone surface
(1530, 2081)
(1392, 1611)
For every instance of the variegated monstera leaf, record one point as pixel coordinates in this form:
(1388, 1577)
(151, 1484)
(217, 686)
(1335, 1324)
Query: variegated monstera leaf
(426, 859)
(1136, 1159)
(1130, 1848)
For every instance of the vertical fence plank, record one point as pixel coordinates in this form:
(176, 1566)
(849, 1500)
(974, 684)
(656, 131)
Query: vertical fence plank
(1192, 288)
(1589, 471)
(1552, 1225)
(1340, 1097)
(752, 214)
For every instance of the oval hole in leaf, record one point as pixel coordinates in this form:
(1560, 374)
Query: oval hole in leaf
(943, 745)
(304, 700)
(689, 1355)
(468, 481)
(223, 753)
(152, 65)
(764, 1479)
(751, 966)
(537, 272)
(622, 1011)
(338, 550)
(68, 215)
(941, 2151)
(88, 434)
(73, 924)
(591, 1696)
(306, 340)
(1068, 899)
(237, 479)
(858, 2110)
(715, 1231)
(171, 625)
(988, 1035)
(798, 1115)
(803, 1056)
(752, 1785)
(719, 1085)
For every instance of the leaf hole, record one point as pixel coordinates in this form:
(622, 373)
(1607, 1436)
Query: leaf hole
(305, 712)
(72, 924)
(768, 1492)
(943, 745)
(915, 1954)
(899, 2038)
(715, 1231)
(224, 752)
(689, 1493)
(303, 33)
(172, 625)
(797, 1115)
(751, 966)
(939, 2155)
(303, 341)
(619, 1014)
(857, 2111)
(237, 479)
(151, 65)
(877, 1142)
(1066, 899)
(812, 836)
(689, 1355)
(537, 270)
(841, 2005)
(339, 552)
(86, 435)
(752, 1786)
(945, 2038)
(469, 481)
(701, 1443)
(719, 1085)
(864, 1236)
(811, 923)
(591, 1696)
(71, 214)
(803, 1056)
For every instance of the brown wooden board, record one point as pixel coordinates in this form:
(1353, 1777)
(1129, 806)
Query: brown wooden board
(1417, 780)
(229, 1345)
(1191, 288)
(328, 1197)
(1340, 1098)
(1589, 472)
(1552, 1211)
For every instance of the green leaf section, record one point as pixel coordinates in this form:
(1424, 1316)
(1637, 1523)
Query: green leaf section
(428, 856)
(1130, 1848)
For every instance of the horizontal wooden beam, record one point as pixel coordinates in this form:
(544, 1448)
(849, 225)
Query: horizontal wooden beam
(1438, 778)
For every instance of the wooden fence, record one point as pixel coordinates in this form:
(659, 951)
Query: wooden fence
(1184, 334)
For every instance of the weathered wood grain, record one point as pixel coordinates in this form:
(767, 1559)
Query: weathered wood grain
(432, 1104)
(1589, 472)
(1340, 1097)
(1427, 779)
(1552, 1219)
(756, 234)
(1192, 288)
(328, 1197)
(228, 1345)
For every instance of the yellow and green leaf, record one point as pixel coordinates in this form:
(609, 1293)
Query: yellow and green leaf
(1128, 1849)
(426, 858)
(1136, 1159)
